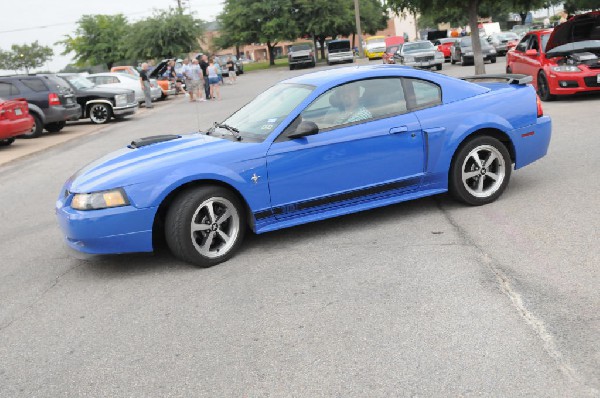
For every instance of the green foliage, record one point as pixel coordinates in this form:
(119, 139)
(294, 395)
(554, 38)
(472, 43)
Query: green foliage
(99, 39)
(25, 57)
(572, 6)
(168, 33)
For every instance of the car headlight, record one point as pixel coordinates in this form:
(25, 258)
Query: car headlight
(409, 59)
(121, 100)
(565, 68)
(99, 200)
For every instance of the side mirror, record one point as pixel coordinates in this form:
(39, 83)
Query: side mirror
(304, 129)
(531, 52)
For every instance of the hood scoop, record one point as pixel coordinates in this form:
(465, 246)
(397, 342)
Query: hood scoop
(152, 140)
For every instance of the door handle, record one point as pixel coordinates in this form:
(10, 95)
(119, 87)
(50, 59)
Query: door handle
(397, 130)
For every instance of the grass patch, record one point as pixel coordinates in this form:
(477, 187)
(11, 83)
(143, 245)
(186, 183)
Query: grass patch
(265, 65)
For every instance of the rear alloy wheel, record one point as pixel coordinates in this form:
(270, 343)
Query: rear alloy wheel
(37, 128)
(480, 171)
(205, 226)
(543, 88)
(99, 113)
(55, 127)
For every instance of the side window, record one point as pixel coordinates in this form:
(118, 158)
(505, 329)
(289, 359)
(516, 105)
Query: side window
(93, 79)
(34, 84)
(422, 93)
(112, 79)
(533, 44)
(7, 90)
(522, 46)
(356, 102)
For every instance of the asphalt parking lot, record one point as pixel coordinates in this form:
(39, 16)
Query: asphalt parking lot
(423, 298)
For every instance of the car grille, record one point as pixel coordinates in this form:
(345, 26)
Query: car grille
(301, 58)
(591, 81)
(130, 98)
(424, 59)
(378, 50)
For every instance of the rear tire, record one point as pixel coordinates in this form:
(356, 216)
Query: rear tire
(438, 67)
(205, 226)
(493, 60)
(480, 171)
(7, 141)
(37, 128)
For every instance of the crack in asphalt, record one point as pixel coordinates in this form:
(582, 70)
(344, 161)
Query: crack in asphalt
(535, 323)
(37, 300)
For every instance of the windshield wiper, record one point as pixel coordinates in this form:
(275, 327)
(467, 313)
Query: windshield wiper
(235, 132)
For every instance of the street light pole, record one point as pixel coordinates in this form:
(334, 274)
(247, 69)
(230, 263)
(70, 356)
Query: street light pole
(361, 53)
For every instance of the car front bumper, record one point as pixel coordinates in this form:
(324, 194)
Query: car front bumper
(426, 64)
(129, 109)
(566, 83)
(341, 57)
(125, 229)
(374, 55)
(301, 61)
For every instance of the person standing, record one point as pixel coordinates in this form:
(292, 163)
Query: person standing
(145, 82)
(231, 67)
(187, 76)
(213, 81)
(196, 80)
(204, 67)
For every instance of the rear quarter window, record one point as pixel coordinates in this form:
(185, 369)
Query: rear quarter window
(423, 93)
(36, 85)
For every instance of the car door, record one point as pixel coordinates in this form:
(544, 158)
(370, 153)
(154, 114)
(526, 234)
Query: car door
(368, 146)
(517, 57)
(531, 63)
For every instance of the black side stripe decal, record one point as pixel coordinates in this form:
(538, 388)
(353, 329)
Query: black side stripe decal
(304, 205)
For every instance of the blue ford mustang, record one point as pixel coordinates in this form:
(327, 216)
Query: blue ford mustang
(312, 147)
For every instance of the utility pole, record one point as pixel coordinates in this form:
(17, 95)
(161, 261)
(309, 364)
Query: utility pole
(361, 53)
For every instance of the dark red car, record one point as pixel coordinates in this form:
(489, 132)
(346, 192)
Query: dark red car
(562, 61)
(445, 46)
(14, 120)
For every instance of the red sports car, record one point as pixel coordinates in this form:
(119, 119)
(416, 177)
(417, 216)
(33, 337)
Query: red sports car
(445, 46)
(14, 120)
(562, 61)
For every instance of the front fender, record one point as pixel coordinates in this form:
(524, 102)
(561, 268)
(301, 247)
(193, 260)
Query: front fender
(255, 194)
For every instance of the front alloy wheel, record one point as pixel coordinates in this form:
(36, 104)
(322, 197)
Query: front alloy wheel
(480, 171)
(205, 226)
(99, 113)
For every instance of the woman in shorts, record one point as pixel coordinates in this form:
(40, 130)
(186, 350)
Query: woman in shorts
(213, 80)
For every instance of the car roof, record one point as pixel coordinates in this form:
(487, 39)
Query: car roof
(455, 89)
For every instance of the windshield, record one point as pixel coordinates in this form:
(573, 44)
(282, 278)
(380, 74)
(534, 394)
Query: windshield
(258, 118)
(300, 47)
(545, 38)
(508, 36)
(79, 82)
(339, 45)
(411, 47)
(466, 42)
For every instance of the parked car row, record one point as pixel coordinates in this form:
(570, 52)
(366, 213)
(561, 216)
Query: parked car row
(30, 104)
(562, 61)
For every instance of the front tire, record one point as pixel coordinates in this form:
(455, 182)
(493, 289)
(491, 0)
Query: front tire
(544, 88)
(493, 60)
(205, 226)
(54, 127)
(99, 113)
(480, 171)
(7, 141)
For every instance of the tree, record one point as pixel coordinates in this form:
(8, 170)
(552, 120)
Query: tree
(26, 56)
(472, 9)
(249, 21)
(571, 6)
(99, 39)
(168, 33)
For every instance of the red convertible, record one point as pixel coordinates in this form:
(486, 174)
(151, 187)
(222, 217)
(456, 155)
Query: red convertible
(562, 61)
(14, 120)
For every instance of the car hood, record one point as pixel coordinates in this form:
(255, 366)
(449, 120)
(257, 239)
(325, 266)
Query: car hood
(420, 53)
(580, 28)
(160, 68)
(300, 53)
(103, 91)
(129, 166)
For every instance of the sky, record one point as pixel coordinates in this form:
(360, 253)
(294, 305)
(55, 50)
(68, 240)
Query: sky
(25, 21)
